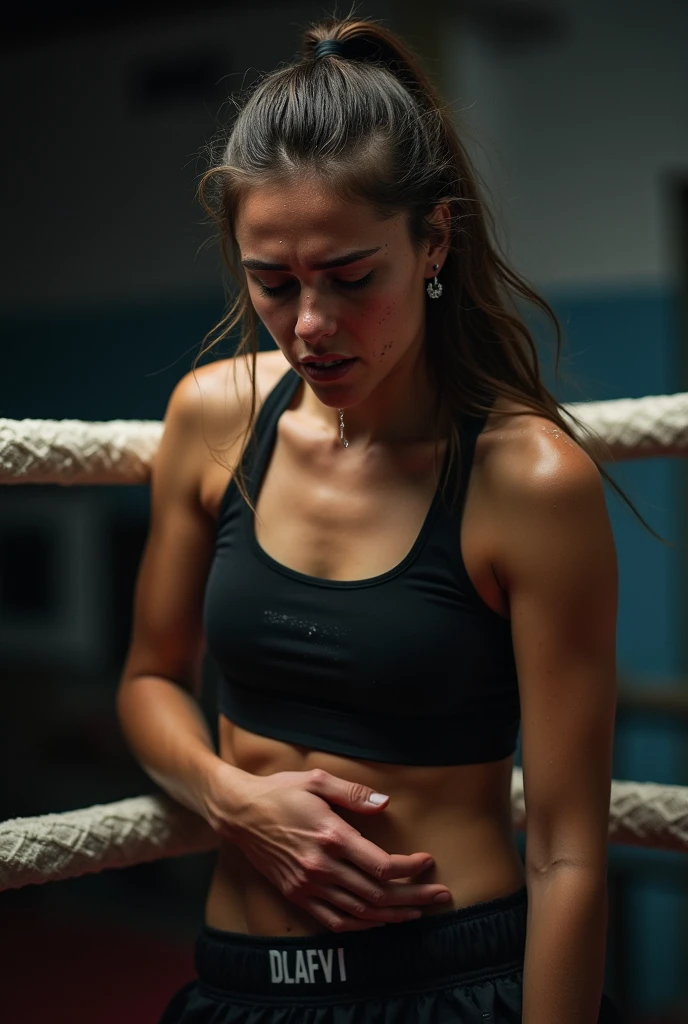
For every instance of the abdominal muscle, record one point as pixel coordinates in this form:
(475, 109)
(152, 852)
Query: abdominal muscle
(460, 815)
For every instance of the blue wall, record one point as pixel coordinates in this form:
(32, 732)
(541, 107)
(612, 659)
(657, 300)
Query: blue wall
(100, 363)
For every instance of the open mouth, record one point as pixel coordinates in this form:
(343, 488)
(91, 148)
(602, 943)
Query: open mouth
(332, 370)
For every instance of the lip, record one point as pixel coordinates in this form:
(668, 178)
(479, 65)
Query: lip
(330, 357)
(320, 374)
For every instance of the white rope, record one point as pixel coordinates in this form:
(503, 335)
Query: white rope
(77, 452)
(121, 451)
(57, 846)
(640, 813)
(653, 426)
(52, 847)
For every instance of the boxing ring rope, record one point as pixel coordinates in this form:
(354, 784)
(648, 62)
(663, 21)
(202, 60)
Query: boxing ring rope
(133, 831)
(120, 451)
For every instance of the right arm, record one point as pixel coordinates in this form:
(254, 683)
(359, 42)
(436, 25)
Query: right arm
(157, 699)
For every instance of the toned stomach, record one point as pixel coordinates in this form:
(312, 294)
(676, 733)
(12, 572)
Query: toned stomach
(461, 815)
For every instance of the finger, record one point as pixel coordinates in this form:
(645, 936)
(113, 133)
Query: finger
(336, 922)
(358, 908)
(352, 795)
(404, 865)
(415, 895)
(381, 865)
(390, 894)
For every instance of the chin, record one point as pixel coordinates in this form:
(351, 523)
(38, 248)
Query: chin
(333, 399)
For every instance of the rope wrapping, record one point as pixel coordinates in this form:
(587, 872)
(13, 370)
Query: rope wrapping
(52, 847)
(640, 813)
(649, 427)
(77, 452)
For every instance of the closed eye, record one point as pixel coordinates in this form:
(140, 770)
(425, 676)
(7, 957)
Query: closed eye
(280, 289)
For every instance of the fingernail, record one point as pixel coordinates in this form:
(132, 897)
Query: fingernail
(377, 798)
(442, 897)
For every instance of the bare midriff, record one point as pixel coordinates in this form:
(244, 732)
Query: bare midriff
(461, 815)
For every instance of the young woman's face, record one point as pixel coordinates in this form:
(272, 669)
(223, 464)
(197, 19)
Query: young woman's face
(367, 304)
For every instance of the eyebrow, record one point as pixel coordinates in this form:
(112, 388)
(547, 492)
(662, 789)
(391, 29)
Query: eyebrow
(338, 261)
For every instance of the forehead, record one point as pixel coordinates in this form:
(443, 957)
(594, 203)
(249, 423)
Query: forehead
(307, 215)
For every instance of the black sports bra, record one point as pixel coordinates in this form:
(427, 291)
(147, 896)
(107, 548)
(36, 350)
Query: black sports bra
(408, 667)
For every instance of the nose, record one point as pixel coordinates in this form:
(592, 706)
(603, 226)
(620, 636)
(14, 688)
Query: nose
(314, 321)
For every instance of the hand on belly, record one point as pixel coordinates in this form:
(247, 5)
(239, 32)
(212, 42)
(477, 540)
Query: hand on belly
(289, 832)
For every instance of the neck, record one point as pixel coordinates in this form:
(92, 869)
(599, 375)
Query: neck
(400, 410)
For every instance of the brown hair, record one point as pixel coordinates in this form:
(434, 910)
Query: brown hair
(371, 125)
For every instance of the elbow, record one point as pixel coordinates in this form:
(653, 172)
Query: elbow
(581, 851)
(128, 707)
(133, 699)
(591, 870)
(123, 693)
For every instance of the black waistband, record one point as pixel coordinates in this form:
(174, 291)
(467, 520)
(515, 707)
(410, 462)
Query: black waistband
(482, 940)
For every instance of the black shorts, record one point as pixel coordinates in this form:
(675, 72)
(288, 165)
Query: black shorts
(463, 966)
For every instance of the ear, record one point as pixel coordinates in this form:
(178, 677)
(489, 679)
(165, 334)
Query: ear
(437, 247)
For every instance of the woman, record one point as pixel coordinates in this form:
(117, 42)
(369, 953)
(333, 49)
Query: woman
(400, 553)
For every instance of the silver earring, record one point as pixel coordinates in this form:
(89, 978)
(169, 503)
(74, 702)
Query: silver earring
(434, 288)
(345, 443)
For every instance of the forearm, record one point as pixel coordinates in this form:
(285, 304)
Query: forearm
(565, 946)
(169, 737)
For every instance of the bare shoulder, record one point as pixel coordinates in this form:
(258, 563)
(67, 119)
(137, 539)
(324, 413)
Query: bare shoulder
(540, 485)
(521, 452)
(207, 407)
(218, 395)
(207, 415)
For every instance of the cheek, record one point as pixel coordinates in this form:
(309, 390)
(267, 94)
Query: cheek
(275, 320)
(391, 322)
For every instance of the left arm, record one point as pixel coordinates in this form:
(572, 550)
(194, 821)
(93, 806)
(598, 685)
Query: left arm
(557, 563)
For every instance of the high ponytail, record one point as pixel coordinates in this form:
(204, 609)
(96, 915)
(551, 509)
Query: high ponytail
(368, 41)
(370, 124)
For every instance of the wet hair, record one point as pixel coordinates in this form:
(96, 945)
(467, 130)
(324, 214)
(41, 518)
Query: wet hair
(369, 125)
